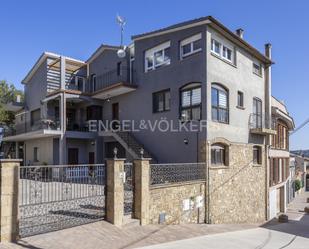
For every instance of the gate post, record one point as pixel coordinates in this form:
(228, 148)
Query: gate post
(141, 190)
(9, 228)
(115, 191)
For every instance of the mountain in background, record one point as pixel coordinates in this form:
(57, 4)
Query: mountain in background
(301, 152)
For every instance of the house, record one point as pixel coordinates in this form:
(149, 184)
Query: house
(194, 71)
(280, 181)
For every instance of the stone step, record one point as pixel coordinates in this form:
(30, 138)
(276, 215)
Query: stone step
(128, 221)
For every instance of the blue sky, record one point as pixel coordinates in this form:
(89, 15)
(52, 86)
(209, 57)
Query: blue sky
(77, 28)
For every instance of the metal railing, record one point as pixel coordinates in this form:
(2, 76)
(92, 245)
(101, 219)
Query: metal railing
(47, 124)
(176, 173)
(54, 197)
(109, 78)
(259, 121)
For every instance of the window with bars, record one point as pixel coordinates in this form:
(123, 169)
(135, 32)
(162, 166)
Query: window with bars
(190, 103)
(257, 154)
(161, 101)
(219, 103)
(218, 155)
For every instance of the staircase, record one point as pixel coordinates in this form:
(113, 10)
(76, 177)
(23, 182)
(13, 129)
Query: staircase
(129, 142)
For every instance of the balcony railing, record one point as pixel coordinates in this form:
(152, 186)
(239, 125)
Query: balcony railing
(120, 75)
(42, 124)
(261, 123)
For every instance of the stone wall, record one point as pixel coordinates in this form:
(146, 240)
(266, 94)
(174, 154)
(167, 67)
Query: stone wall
(172, 201)
(237, 192)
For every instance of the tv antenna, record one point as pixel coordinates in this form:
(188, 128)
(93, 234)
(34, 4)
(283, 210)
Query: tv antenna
(121, 22)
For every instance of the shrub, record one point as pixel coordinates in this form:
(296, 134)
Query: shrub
(298, 185)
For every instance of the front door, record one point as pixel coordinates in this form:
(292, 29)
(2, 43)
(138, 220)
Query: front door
(91, 158)
(72, 156)
(115, 117)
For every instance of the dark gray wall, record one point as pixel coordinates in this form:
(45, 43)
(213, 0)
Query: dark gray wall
(137, 105)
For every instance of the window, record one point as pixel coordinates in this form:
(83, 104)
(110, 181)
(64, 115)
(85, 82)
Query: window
(216, 47)
(257, 113)
(257, 69)
(157, 57)
(93, 82)
(79, 82)
(222, 50)
(227, 53)
(257, 155)
(161, 101)
(219, 103)
(35, 154)
(191, 45)
(218, 154)
(118, 68)
(280, 140)
(240, 99)
(190, 104)
(35, 117)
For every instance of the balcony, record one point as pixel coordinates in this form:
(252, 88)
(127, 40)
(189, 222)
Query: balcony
(31, 130)
(261, 125)
(112, 83)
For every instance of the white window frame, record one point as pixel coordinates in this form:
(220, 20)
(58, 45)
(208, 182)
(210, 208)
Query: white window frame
(260, 68)
(150, 53)
(221, 53)
(190, 41)
(76, 81)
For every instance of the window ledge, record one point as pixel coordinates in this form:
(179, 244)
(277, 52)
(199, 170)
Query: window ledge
(219, 167)
(218, 122)
(158, 68)
(240, 107)
(260, 75)
(220, 58)
(183, 58)
(256, 165)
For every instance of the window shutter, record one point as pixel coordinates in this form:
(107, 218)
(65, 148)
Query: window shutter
(222, 99)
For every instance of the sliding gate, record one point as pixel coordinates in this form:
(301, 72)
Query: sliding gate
(57, 197)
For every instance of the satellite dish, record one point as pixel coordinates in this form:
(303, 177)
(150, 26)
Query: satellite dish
(121, 53)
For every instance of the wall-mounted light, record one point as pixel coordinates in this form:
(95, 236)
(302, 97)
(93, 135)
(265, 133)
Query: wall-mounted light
(186, 141)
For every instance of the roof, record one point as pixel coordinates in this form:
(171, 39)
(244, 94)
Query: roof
(206, 20)
(100, 50)
(279, 108)
(41, 60)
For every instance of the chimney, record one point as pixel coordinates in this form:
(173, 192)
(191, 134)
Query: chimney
(240, 33)
(268, 50)
(18, 98)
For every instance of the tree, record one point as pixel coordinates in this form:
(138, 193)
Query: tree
(8, 94)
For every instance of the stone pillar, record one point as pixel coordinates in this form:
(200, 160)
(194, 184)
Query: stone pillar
(115, 191)
(141, 190)
(9, 170)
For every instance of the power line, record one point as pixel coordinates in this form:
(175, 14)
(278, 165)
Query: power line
(300, 127)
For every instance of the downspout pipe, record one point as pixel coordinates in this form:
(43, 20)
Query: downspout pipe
(268, 124)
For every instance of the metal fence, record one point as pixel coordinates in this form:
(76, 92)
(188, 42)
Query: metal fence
(56, 197)
(128, 188)
(176, 172)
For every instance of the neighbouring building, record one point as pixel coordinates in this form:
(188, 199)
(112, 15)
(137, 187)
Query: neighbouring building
(191, 71)
(301, 164)
(279, 156)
